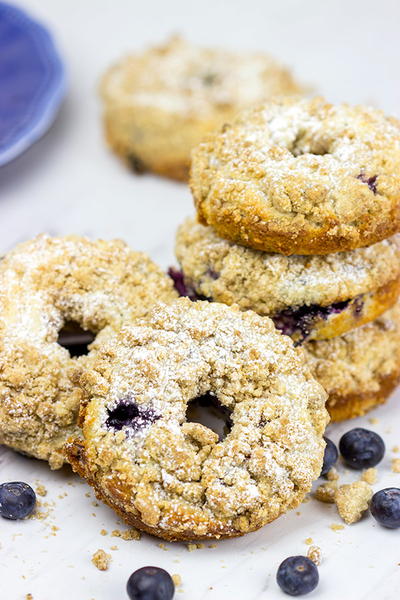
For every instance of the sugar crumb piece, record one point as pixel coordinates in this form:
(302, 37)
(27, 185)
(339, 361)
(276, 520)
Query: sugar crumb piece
(103, 532)
(41, 490)
(352, 500)
(177, 579)
(332, 475)
(369, 475)
(113, 548)
(88, 495)
(396, 465)
(127, 534)
(396, 449)
(29, 597)
(314, 553)
(212, 546)
(162, 546)
(326, 492)
(373, 420)
(336, 526)
(101, 560)
(192, 547)
(131, 534)
(306, 499)
(308, 541)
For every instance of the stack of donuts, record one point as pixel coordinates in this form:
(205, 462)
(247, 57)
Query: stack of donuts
(298, 206)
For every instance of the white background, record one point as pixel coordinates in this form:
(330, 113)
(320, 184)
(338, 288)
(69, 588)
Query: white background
(69, 182)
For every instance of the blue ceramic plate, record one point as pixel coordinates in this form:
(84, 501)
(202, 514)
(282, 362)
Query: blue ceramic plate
(32, 81)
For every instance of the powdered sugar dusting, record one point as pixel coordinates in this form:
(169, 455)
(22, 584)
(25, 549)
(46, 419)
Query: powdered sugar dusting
(186, 79)
(43, 284)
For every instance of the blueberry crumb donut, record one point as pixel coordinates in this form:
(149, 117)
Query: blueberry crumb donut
(360, 369)
(159, 104)
(301, 177)
(173, 478)
(308, 297)
(44, 284)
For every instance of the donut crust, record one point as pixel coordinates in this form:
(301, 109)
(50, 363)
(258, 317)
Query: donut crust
(174, 478)
(360, 369)
(153, 121)
(301, 177)
(367, 279)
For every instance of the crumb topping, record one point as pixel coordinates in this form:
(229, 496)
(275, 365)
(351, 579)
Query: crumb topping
(294, 176)
(396, 465)
(101, 560)
(314, 553)
(357, 362)
(179, 77)
(370, 475)
(326, 492)
(352, 500)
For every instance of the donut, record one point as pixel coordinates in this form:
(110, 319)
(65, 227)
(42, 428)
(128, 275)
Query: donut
(308, 297)
(360, 369)
(47, 283)
(160, 103)
(299, 176)
(174, 478)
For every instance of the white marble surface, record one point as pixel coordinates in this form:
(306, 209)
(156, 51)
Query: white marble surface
(69, 182)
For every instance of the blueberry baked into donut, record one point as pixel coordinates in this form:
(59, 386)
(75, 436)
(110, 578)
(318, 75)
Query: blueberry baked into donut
(308, 297)
(177, 479)
(50, 287)
(159, 104)
(301, 177)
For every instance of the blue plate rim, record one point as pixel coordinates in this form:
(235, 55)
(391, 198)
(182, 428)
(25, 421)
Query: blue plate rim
(37, 127)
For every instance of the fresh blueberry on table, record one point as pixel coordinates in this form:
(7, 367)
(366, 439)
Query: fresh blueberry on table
(150, 583)
(361, 448)
(297, 575)
(17, 500)
(331, 455)
(385, 507)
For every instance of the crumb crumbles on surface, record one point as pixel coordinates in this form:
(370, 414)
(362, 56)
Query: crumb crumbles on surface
(101, 560)
(352, 500)
(314, 553)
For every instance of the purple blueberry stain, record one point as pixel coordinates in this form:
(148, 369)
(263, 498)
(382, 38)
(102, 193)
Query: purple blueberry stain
(301, 320)
(183, 287)
(358, 305)
(369, 181)
(131, 415)
(212, 274)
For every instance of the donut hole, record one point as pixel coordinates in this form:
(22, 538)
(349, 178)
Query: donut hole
(75, 339)
(304, 144)
(208, 411)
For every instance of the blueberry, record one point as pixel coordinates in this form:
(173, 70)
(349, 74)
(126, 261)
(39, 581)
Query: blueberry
(370, 181)
(150, 583)
(361, 448)
(129, 414)
(297, 575)
(184, 288)
(17, 500)
(301, 320)
(385, 507)
(331, 455)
